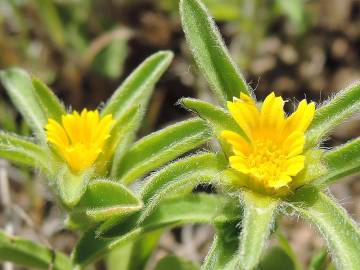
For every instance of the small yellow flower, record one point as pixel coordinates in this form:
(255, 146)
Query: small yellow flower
(272, 153)
(79, 138)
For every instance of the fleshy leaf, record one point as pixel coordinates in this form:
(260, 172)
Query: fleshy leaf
(22, 151)
(341, 233)
(104, 199)
(199, 208)
(161, 147)
(223, 251)
(138, 86)
(210, 52)
(334, 112)
(50, 104)
(71, 186)
(342, 161)
(217, 118)
(30, 254)
(257, 222)
(182, 175)
(19, 86)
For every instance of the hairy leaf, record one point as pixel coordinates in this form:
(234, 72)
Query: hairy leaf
(340, 232)
(104, 199)
(258, 219)
(335, 111)
(161, 147)
(200, 208)
(138, 86)
(341, 161)
(20, 150)
(19, 86)
(184, 174)
(30, 254)
(210, 52)
(50, 104)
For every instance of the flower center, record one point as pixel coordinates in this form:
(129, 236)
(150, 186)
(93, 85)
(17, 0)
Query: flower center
(266, 161)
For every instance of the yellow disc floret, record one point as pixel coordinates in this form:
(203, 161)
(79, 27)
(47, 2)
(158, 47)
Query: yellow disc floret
(79, 138)
(271, 153)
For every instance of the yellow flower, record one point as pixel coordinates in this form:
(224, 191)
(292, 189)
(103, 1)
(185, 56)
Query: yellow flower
(79, 138)
(272, 151)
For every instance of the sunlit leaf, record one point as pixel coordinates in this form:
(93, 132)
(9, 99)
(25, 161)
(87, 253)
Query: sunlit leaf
(334, 112)
(161, 147)
(341, 233)
(19, 86)
(210, 52)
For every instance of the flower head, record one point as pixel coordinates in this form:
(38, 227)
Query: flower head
(272, 151)
(79, 138)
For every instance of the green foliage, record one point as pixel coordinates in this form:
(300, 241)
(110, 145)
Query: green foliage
(161, 147)
(210, 52)
(19, 86)
(30, 254)
(139, 85)
(175, 263)
(258, 219)
(23, 151)
(217, 118)
(181, 176)
(341, 161)
(276, 258)
(200, 208)
(49, 102)
(341, 233)
(334, 112)
(71, 186)
(104, 199)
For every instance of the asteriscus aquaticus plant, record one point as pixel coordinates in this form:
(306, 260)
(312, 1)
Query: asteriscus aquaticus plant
(271, 150)
(79, 138)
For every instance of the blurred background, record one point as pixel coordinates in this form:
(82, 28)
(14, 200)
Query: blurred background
(84, 49)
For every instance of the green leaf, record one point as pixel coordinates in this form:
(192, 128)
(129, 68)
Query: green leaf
(199, 208)
(22, 151)
(318, 261)
(276, 258)
(71, 186)
(19, 86)
(286, 247)
(340, 232)
(142, 250)
(104, 199)
(341, 161)
(30, 254)
(217, 118)
(258, 219)
(184, 174)
(161, 147)
(50, 104)
(223, 251)
(334, 112)
(176, 263)
(137, 88)
(122, 135)
(91, 248)
(210, 52)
